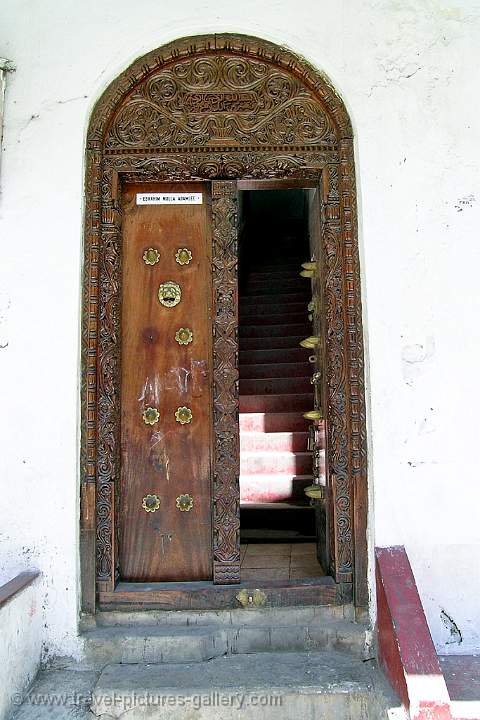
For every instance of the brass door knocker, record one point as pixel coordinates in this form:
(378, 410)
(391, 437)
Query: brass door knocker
(169, 294)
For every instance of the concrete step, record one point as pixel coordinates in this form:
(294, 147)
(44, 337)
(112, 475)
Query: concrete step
(271, 331)
(272, 422)
(276, 386)
(273, 488)
(273, 442)
(275, 370)
(272, 463)
(266, 686)
(273, 357)
(164, 645)
(276, 403)
(272, 343)
(275, 298)
(283, 308)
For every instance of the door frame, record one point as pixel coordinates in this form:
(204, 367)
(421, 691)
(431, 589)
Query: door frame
(112, 157)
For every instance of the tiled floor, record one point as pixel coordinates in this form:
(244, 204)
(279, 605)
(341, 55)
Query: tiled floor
(279, 561)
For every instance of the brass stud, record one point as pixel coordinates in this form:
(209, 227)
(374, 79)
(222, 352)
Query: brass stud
(310, 342)
(183, 415)
(307, 273)
(251, 598)
(316, 492)
(183, 256)
(151, 256)
(313, 415)
(184, 336)
(169, 293)
(184, 502)
(151, 416)
(151, 503)
(309, 265)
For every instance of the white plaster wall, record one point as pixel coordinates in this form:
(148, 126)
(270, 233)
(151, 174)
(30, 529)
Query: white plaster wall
(407, 71)
(20, 646)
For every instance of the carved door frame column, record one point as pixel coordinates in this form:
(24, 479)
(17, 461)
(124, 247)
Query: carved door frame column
(219, 107)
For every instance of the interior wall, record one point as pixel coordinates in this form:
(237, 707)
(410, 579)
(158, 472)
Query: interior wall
(405, 72)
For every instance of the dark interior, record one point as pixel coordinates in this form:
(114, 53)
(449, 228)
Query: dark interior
(274, 371)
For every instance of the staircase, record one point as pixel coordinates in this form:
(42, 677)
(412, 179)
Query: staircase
(270, 663)
(275, 388)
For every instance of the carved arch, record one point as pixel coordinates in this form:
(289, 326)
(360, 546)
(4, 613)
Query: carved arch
(213, 107)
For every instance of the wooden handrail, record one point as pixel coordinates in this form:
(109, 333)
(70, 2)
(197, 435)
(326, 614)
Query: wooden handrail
(14, 586)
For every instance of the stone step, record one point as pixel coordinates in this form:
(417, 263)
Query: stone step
(269, 615)
(186, 644)
(266, 686)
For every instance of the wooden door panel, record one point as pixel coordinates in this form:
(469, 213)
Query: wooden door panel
(167, 459)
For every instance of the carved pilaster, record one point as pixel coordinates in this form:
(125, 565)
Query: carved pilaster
(226, 493)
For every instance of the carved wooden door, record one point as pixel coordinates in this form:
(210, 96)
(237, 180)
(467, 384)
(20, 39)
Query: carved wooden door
(169, 490)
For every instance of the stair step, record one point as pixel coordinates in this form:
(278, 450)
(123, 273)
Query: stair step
(277, 298)
(272, 422)
(268, 288)
(275, 441)
(265, 616)
(291, 273)
(280, 356)
(275, 370)
(276, 403)
(280, 318)
(263, 686)
(271, 309)
(270, 463)
(276, 386)
(273, 343)
(279, 487)
(275, 330)
(167, 645)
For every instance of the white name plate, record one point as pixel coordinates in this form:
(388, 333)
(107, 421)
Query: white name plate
(169, 198)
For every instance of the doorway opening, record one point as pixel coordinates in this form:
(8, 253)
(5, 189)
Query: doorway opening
(280, 534)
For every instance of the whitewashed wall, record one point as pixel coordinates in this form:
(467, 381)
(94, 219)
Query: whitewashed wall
(407, 72)
(21, 626)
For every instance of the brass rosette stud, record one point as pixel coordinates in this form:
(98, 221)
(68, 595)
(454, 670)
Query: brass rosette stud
(184, 502)
(184, 336)
(151, 503)
(150, 416)
(151, 256)
(183, 415)
(183, 256)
